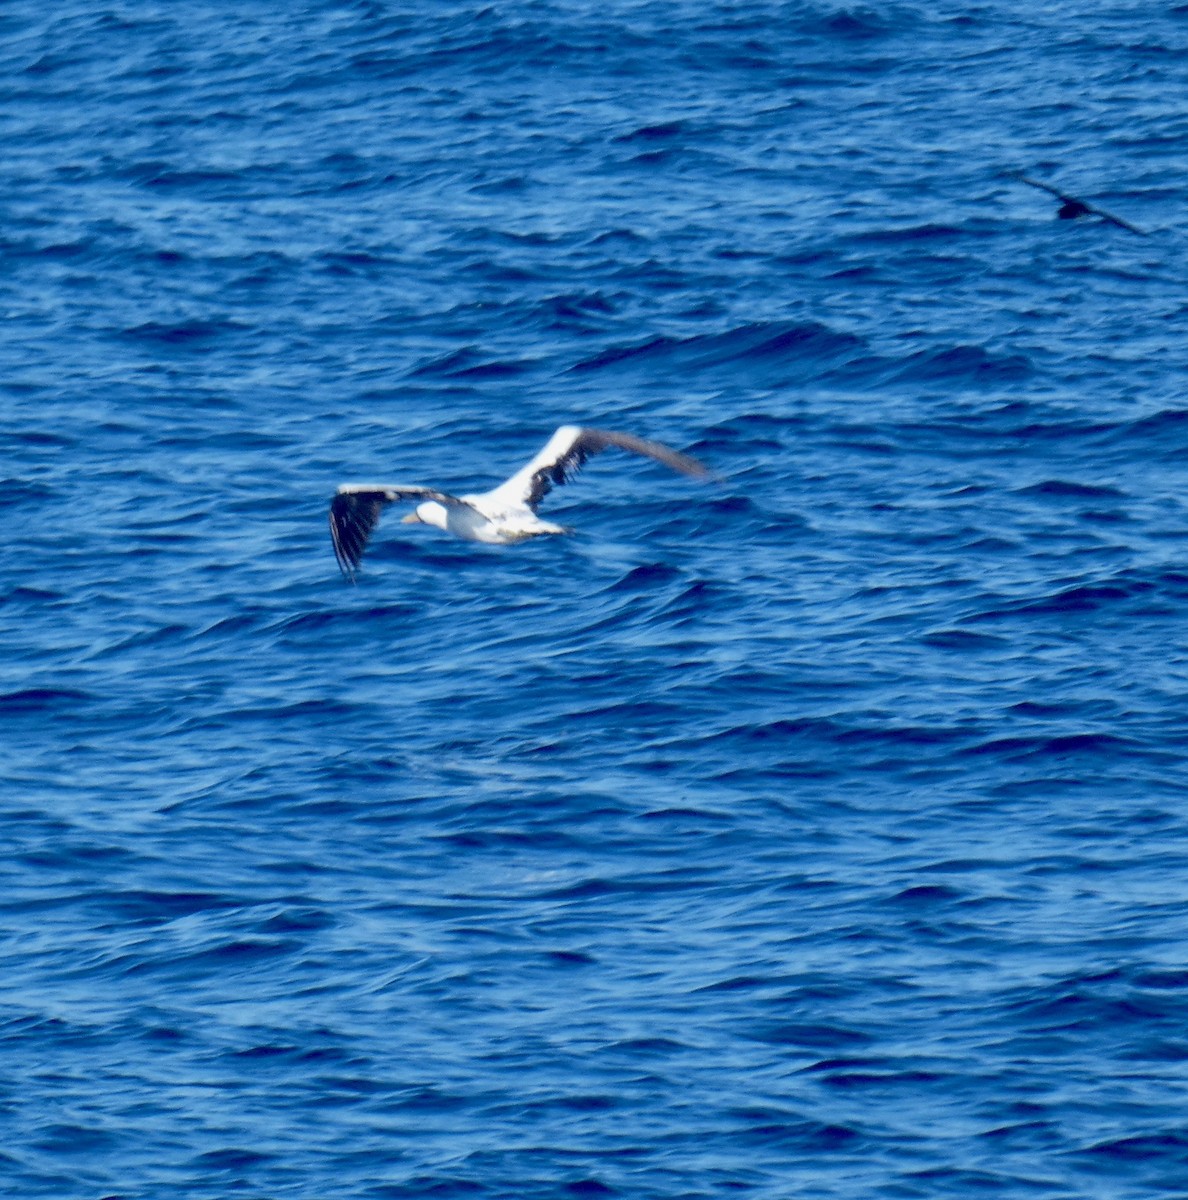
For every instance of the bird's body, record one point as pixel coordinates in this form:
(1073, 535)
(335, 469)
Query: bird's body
(476, 519)
(501, 516)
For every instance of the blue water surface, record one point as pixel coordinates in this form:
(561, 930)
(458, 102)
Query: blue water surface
(819, 832)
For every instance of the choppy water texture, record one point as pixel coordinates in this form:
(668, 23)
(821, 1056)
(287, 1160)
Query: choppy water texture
(818, 833)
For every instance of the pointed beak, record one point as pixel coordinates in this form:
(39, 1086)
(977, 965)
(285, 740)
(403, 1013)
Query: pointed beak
(411, 519)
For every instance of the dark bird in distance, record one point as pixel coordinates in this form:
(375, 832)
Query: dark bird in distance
(1071, 207)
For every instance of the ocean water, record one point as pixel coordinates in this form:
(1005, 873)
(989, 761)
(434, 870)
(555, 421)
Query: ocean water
(818, 832)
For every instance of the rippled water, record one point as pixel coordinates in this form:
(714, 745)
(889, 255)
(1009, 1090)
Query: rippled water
(820, 832)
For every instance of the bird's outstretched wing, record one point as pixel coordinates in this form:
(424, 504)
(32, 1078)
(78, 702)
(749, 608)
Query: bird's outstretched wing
(569, 449)
(1071, 206)
(356, 509)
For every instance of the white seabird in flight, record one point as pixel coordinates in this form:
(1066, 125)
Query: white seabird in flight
(503, 515)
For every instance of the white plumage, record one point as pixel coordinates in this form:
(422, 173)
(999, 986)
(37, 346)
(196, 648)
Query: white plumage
(503, 515)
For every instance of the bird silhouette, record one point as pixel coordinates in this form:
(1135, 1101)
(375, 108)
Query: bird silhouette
(1071, 207)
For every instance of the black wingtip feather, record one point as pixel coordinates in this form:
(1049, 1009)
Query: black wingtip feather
(352, 518)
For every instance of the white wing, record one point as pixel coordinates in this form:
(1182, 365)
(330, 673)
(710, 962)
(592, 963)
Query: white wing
(567, 451)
